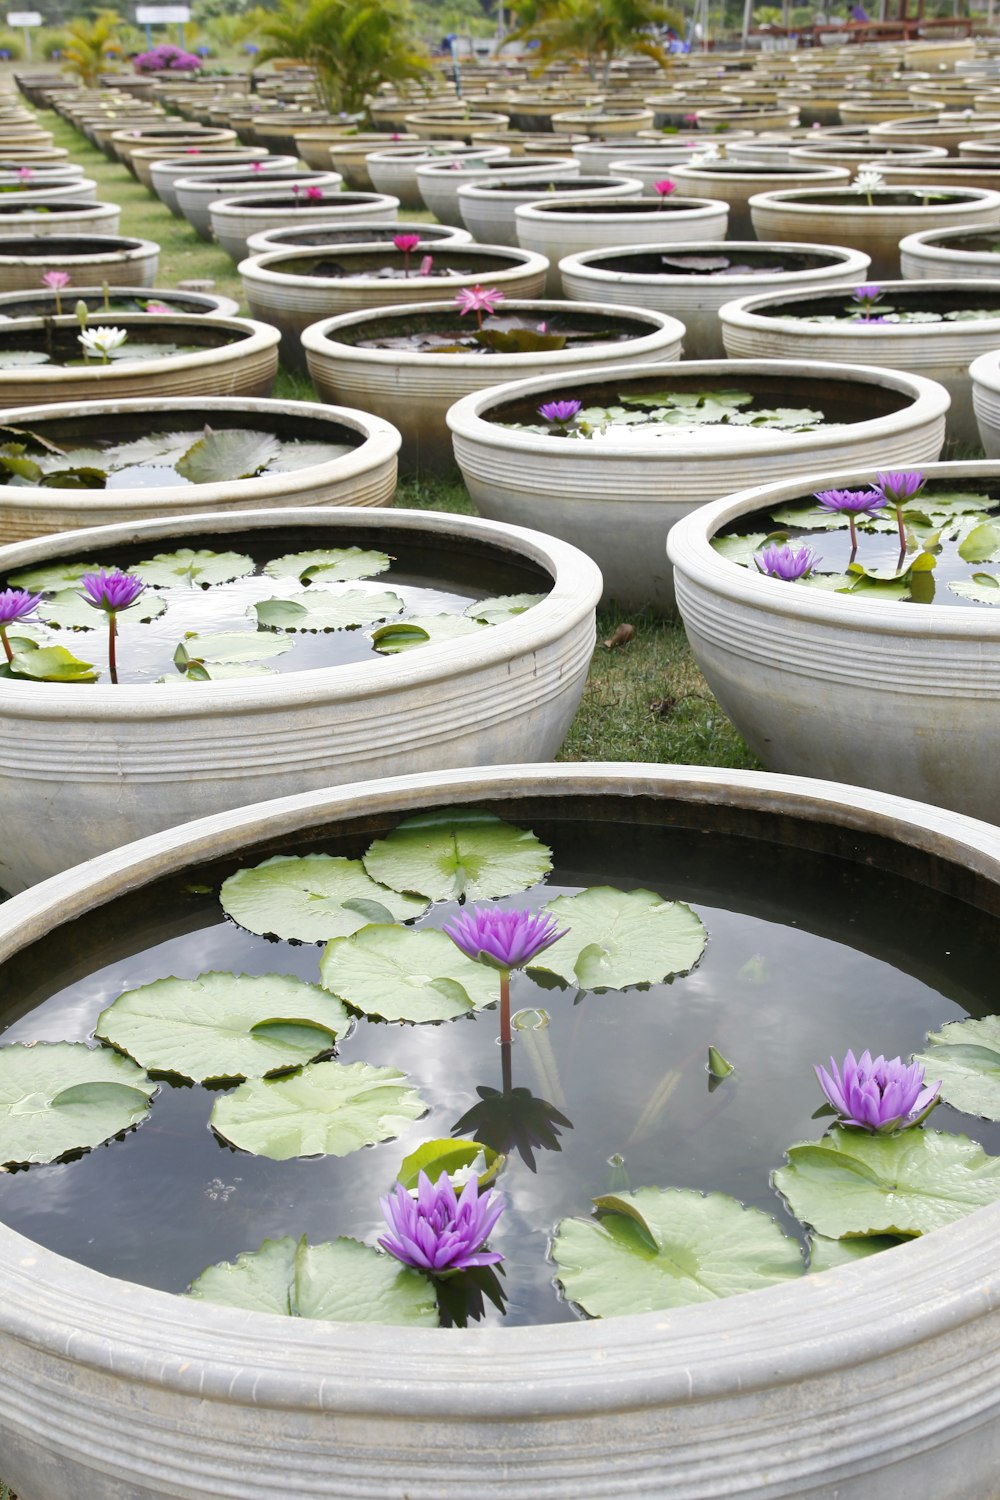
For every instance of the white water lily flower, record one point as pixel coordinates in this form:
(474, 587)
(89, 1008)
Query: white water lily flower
(869, 180)
(102, 341)
(706, 157)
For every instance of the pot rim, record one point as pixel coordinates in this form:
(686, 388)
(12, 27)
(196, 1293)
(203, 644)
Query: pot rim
(521, 263)
(588, 262)
(256, 337)
(742, 312)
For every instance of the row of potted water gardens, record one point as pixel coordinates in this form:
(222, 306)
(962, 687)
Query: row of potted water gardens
(541, 1353)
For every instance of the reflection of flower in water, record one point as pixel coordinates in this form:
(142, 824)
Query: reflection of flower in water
(513, 1120)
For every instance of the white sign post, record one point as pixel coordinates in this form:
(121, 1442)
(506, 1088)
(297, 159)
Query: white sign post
(163, 15)
(25, 19)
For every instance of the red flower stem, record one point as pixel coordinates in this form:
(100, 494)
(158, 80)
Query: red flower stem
(854, 535)
(6, 643)
(506, 1068)
(505, 1035)
(479, 316)
(112, 664)
(902, 533)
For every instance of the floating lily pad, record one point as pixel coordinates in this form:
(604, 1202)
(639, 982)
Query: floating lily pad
(197, 671)
(17, 359)
(168, 569)
(852, 1182)
(965, 1056)
(79, 477)
(312, 898)
(618, 938)
(425, 630)
(230, 648)
(399, 974)
(224, 1025)
(435, 1158)
(151, 448)
(58, 575)
(328, 1109)
(740, 549)
(458, 852)
(68, 610)
(658, 1248)
(980, 544)
(329, 565)
(824, 1254)
(64, 1096)
(302, 454)
(502, 607)
(342, 1281)
(236, 453)
(325, 611)
(981, 588)
(51, 664)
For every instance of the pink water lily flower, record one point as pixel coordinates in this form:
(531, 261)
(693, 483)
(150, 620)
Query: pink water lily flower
(55, 279)
(314, 194)
(664, 187)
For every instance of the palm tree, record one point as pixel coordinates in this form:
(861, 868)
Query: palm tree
(597, 31)
(93, 46)
(354, 47)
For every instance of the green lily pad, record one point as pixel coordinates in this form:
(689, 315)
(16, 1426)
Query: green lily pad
(16, 359)
(64, 1096)
(456, 852)
(329, 565)
(68, 610)
(328, 1109)
(224, 1025)
(502, 607)
(965, 1056)
(51, 664)
(399, 974)
(824, 1253)
(435, 1158)
(852, 1182)
(230, 648)
(325, 611)
(340, 1281)
(740, 549)
(58, 575)
(425, 630)
(981, 588)
(79, 477)
(303, 454)
(218, 457)
(658, 1248)
(312, 898)
(980, 544)
(168, 569)
(151, 448)
(197, 671)
(618, 938)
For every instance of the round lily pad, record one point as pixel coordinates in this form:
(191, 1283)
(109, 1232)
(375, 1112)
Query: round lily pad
(824, 1254)
(658, 1248)
(402, 975)
(458, 852)
(328, 1109)
(618, 938)
(65, 1096)
(502, 607)
(312, 898)
(340, 1281)
(322, 610)
(329, 565)
(224, 1025)
(965, 1056)
(425, 630)
(195, 568)
(69, 610)
(58, 575)
(229, 647)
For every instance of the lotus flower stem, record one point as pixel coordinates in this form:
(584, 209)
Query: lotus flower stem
(505, 1031)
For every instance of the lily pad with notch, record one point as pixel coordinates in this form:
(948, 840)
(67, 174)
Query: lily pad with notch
(329, 565)
(398, 974)
(965, 1056)
(50, 664)
(197, 568)
(502, 607)
(57, 1097)
(323, 610)
(423, 630)
(229, 648)
(53, 576)
(451, 1157)
(68, 610)
(621, 938)
(453, 853)
(233, 453)
(312, 898)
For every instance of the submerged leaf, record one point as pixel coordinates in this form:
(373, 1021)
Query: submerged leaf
(399, 974)
(311, 897)
(64, 1096)
(619, 938)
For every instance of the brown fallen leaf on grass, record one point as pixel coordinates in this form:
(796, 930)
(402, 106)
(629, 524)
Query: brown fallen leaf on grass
(620, 636)
(661, 707)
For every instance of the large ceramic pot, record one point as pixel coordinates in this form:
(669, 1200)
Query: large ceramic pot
(86, 258)
(488, 208)
(394, 170)
(164, 173)
(877, 227)
(695, 279)
(228, 356)
(805, 1389)
(414, 390)
(736, 182)
(235, 219)
(196, 192)
(440, 181)
(364, 233)
(43, 304)
(363, 476)
(935, 130)
(952, 171)
(855, 154)
(137, 758)
(30, 194)
(617, 497)
(287, 287)
(985, 379)
(883, 693)
(349, 156)
(779, 326)
(955, 253)
(68, 216)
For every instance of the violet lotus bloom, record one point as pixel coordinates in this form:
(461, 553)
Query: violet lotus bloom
(850, 503)
(559, 413)
(878, 1095)
(504, 940)
(15, 605)
(437, 1232)
(897, 486)
(111, 590)
(867, 295)
(785, 562)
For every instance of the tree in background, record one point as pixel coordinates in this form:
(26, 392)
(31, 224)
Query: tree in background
(92, 47)
(596, 31)
(354, 45)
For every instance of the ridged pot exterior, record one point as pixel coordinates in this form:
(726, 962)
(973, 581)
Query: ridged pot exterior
(365, 477)
(134, 267)
(42, 304)
(804, 1391)
(491, 216)
(196, 194)
(439, 185)
(82, 219)
(985, 377)
(163, 174)
(291, 303)
(889, 695)
(246, 367)
(875, 230)
(618, 501)
(397, 174)
(930, 255)
(365, 233)
(415, 391)
(940, 351)
(984, 175)
(735, 187)
(685, 219)
(696, 299)
(233, 223)
(81, 773)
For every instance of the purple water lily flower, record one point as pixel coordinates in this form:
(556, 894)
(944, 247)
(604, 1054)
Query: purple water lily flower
(437, 1232)
(850, 503)
(867, 295)
(15, 604)
(112, 591)
(898, 486)
(878, 1095)
(503, 939)
(785, 562)
(559, 413)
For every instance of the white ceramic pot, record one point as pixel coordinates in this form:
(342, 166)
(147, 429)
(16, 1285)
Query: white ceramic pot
(197, 192)
(439, 182)
(940, 130)
(953, 253)
(414, 390)
(364, 477)
(695, 296)
(137, 758)
(27, 195)
(70, 216)
(349, 156)
(394, 170)
(43, 304)
(365, 232)
(984, 374)
(952, 171)
(857, 154)
(737, 182)
(291, 299)
(488, 209)
(777, 326)
(164, 173)
(885, 693)
(618, 497)
(876, 227)
(235, 219)
(90, 258)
